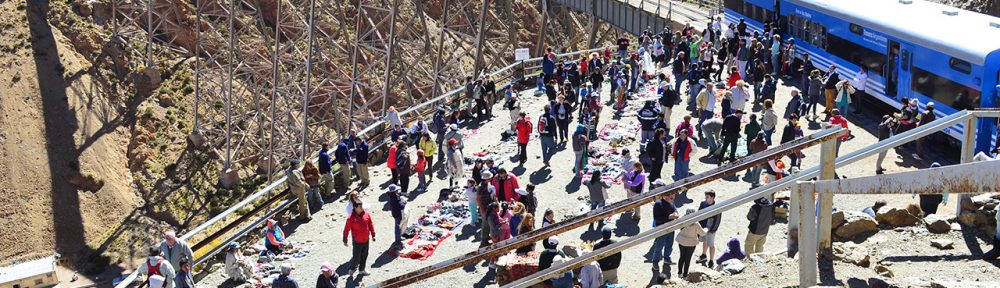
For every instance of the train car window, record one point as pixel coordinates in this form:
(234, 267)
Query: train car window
(857, 54)
(811, 32)
(944, 91)
(735, 5)
(960, 65)
(856, 29)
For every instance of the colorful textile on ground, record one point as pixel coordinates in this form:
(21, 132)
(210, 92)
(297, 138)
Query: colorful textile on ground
(512, 266)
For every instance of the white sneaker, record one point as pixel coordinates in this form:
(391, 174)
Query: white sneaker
(364, 273)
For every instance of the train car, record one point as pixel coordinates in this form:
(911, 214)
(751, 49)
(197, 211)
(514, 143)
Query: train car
(912, 49)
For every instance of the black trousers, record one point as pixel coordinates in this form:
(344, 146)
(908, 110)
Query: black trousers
(522, 152)
(655, 171)
(685, 261)
(563, 129)
(359, 255)
(929, 203)
(404, 183)
(728, 143)
(395, 176)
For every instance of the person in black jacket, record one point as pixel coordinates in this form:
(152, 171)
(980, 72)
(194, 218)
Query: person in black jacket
(403, 167)
(787, 135)
(712, 225)
(609, 265)
(657, 151)
(647, 117)
(761, 215)
(328, 278)
(396, 207)
(664, 211)
(830, 88)
(730, 135)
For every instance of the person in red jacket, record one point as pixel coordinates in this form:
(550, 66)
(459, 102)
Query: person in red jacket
(681, 151)
(360, 225)
(523, 127)
(505, 186)
(838, 119)
(390, 162)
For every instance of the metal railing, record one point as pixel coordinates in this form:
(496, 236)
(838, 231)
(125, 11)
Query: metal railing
(375, 132)
(828, 164)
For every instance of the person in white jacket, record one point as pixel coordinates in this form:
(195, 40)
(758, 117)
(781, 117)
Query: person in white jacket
(159, 272)
(740, 96)
(455, 163)
(237, 267)
(591, 276)
(859, 82)
(687, 240)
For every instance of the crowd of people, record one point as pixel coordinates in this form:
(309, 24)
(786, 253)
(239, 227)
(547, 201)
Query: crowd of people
(720, 120)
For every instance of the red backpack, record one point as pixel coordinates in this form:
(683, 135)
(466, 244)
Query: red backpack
(153, 269)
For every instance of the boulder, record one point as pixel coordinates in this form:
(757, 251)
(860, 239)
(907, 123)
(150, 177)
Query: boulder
(700, 274)
(967, 218)
(943, 244)
(876, 282)
(914, 209)
(988, 201)
(883, 270)
(854, 224)
(896, 217)
(848, 252)
(938, 223)
(838, 219)
(732, 266)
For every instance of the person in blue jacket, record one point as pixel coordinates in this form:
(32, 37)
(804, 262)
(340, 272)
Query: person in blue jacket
(396, 207)
(325, 170)
(361, 157)
(342, 156)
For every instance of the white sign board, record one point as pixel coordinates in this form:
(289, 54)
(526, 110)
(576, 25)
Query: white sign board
(521, 54)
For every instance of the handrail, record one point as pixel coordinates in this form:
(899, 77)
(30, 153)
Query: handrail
(612, 209)
(369, 129)
(755, 193)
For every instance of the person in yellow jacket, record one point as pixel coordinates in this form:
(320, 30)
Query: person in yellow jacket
(430, 149)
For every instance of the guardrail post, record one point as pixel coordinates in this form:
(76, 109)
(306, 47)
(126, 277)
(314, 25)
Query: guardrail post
(968, 151)
(807, 233)
(828, 159)
(793, 221)
(593, 25)
(540, 48)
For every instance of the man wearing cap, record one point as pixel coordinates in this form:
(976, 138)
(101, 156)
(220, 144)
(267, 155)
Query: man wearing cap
(396, 206)
(730, 135)
(158, 270)
(174, 249)
(297, 185)
(359, 226)
(484, 193)
(237, 269)
(609, 264)
(551, 251)
(328, 278)
(285, 280)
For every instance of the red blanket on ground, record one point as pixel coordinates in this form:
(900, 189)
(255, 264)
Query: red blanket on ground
(423, 251)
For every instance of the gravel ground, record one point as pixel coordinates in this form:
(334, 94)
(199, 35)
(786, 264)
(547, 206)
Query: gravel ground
(557, 191)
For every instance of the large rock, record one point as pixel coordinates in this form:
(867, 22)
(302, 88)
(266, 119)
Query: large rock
(988, 201)
(732, 266)
(938, 223)
(854, 224)
(838, 219)
(943, 244)
(975, 218)
(700, 274)
(848, 252)
(896, 217)
(876, 282)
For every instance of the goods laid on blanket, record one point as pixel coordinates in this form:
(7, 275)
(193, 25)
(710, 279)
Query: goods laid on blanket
(608, 161)
(619, 133)
(427, 234)
(266, 269)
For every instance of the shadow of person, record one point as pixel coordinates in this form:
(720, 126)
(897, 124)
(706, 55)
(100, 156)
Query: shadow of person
(385, 258)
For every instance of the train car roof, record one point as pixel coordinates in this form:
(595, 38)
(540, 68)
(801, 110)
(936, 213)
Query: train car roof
(968, 35)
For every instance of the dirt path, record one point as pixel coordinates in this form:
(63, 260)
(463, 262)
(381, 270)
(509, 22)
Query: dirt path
(557, 190)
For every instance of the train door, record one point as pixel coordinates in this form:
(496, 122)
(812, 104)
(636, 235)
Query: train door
(897, 80)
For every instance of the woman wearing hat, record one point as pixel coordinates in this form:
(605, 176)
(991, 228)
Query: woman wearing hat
(237, 267)
(328, 277)
(455, 162)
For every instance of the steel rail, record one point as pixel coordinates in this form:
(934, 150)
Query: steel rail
(615, 208)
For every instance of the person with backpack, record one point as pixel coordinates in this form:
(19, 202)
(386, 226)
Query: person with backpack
(761, 215)
(647, 117)
(403, 167)
(158, 271)
(547, 134)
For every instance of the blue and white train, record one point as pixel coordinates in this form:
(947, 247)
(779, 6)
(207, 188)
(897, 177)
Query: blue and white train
(913, 49)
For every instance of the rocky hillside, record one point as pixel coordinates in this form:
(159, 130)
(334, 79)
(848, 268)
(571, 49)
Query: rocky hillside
(94, 141)
(991, 7)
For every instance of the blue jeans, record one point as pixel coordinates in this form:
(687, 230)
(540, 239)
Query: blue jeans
(704, 115)
(775, 64)
(397, 231)
(681, 169)
(767, 136)
(677, 82)
(594, 205)
(662, 247)
(548, 147)
(693, 93)
(713, 144)
(755, 175)
(314, 197)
